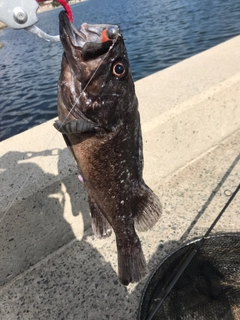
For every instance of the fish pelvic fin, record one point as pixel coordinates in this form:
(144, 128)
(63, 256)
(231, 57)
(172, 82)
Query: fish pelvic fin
(147, 209)
(132, 265)
(100, 225)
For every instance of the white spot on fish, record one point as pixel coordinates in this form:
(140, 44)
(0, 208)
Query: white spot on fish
(88, 102)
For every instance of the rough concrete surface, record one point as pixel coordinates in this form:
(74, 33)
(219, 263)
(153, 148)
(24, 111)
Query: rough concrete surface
(186, 110)
(79, 281)
(51, 266)
(190, 107)
(40, 197)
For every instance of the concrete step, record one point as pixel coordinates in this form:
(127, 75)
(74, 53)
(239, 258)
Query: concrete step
(79, 281)
(187, 112)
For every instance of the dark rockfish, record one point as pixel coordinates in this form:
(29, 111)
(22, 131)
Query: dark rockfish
(99, 119)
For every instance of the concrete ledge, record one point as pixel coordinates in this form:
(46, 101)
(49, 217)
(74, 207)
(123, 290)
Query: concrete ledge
(186, 110)
(79, 281)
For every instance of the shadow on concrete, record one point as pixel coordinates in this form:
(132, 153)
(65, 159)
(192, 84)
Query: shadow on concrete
(76, 191)
(168, 248)
(32, 225)
(77, 283)
(32, 217)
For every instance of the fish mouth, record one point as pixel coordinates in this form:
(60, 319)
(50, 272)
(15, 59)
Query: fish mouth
(92, 40)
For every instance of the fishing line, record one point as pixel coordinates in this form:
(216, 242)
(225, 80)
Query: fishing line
(89, 81)
(54, 136)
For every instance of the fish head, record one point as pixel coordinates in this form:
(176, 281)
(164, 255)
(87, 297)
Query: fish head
(95, 76)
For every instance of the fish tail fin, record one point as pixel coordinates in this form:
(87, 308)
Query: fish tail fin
(147, 208)
(132, 265)
(100, 225)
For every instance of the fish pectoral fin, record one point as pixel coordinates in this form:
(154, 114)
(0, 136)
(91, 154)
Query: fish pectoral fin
(74, 126)
(147, 208)
(100, 225)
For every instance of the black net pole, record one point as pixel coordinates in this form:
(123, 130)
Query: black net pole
(190, 257)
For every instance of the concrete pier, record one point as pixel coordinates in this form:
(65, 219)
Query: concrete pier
(51, 265)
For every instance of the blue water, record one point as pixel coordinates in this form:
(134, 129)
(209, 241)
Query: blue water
(158, 34)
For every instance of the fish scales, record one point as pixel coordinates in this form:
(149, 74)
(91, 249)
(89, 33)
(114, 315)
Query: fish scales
(99, 119)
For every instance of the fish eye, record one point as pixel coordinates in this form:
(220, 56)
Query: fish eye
(119, 69)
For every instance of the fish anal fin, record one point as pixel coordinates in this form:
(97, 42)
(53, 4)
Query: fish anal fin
(100, 225)
(147, 209)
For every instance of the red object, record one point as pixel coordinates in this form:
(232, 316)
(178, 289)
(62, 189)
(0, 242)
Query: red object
(66, 6)
(104, 36)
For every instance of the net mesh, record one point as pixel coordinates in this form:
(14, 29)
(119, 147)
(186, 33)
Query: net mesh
(209, 287)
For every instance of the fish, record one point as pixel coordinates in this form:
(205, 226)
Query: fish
(99, 119)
